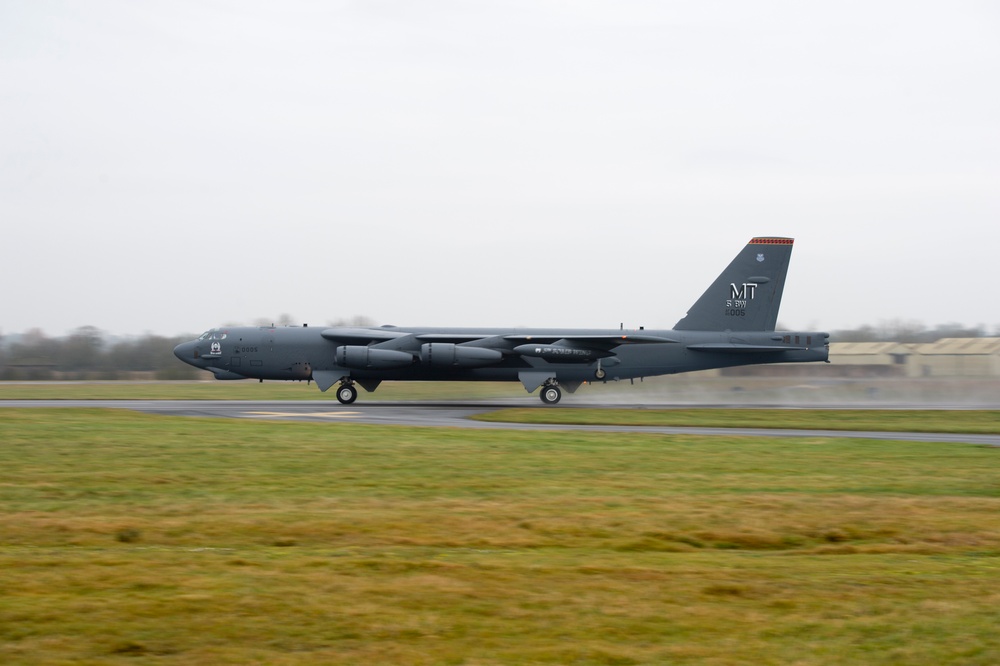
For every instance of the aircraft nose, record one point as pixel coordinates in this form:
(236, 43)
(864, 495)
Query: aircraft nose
(185, 351)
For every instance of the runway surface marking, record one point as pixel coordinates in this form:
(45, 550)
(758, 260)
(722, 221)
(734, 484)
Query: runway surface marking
(455, 415)
(293, 415)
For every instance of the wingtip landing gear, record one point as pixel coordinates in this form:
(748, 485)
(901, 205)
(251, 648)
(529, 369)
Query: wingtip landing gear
(346, 393)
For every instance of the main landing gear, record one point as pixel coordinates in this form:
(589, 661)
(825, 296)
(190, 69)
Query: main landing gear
(551, 394)
(346, 393)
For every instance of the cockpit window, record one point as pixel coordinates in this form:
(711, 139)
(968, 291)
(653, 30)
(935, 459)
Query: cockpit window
(214, 334)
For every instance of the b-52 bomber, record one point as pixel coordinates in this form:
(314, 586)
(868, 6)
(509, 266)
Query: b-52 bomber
(732, 324)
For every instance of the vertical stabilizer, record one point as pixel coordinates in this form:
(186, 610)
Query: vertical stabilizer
(746, 296)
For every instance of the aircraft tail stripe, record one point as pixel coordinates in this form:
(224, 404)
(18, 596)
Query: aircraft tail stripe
(771, 241)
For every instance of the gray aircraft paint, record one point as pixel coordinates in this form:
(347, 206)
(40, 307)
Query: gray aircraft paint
(732, 324)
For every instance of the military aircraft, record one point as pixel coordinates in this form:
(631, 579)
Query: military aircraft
(732, 324)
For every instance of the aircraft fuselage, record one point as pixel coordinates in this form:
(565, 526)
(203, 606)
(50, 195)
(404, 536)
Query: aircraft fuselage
(303, 353)
(732, 324)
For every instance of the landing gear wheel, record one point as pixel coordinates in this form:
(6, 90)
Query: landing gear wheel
(550, 395)
(600, 373)
(347, 394)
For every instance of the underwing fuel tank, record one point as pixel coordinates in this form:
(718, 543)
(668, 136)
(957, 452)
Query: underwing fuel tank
(452, 355)
(363, 357)
(557, 354)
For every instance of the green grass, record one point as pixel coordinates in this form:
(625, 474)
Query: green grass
(249, 390)
(131, 538)
(882, 420)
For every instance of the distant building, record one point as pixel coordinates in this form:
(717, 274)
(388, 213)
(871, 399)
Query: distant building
(871, 359)
(28, 369)
(948, 357)
(958, 357)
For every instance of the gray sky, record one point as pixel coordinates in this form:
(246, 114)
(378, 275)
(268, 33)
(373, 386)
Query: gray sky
(168, 167)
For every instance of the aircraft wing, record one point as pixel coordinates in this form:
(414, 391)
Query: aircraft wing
(741, 347)
(599, 344)
(362, 336)
(586, 341)
(583, 341)
(456, 338)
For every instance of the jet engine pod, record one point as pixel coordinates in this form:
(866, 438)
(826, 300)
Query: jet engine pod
(362, 357)
(452, 355)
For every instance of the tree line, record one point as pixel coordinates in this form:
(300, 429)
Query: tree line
(89, 353)
(907, 332)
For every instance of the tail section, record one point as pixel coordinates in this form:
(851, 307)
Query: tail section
(746, 296)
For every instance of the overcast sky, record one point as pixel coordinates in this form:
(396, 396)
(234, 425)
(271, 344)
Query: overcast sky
(168, 167)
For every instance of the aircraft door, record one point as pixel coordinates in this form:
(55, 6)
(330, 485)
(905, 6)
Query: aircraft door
(246, 352)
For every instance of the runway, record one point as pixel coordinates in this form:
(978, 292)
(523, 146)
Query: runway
(447, 415)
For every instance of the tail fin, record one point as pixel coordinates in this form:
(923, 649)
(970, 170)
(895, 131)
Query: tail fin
(746, 296)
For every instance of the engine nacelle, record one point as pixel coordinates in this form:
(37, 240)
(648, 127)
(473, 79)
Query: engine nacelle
(447, 354)
(362, 357)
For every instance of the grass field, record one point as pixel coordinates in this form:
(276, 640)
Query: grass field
(249, 390)
(966, 421)
(130, 538)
